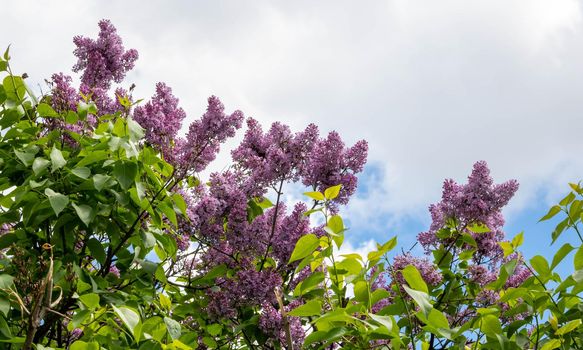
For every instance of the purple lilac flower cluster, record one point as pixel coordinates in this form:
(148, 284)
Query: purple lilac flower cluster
(478, 202)
(271, 323)
(280, 155)
(161, 118)
(103, 60)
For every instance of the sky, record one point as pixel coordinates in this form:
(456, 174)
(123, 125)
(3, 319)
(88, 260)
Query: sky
(433, 86)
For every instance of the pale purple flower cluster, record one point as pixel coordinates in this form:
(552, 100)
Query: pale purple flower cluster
(64, 97)
(478, 202)
(205, 136)
(271, 323)
(280, 155)
(114, 271)
(248, 287)
(103, 60)
(427, 269)
(481, 274)
(330, 164)
(161, 118)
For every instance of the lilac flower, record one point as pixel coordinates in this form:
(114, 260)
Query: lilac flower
(477, 202)
(76, 334)
(247, 288)
(64, 97)
(427, 269)
(481, 275)
(330, 164)
(277, 155)
(271, 323)
(114, 271)
(205, 136)
(161, 118)
(103, 60)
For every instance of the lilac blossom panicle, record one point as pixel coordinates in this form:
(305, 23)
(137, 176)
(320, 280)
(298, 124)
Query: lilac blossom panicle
(330, 163)
(480, 201)
(205, 136)
(426, 268)
(271, 323)
(161, 118)
(64, 97)
(280, 155)
(103, 60)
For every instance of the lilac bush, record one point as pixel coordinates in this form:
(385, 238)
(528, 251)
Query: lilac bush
(110, 237)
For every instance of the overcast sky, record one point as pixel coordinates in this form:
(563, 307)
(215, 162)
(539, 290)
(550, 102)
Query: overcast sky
(432, 85)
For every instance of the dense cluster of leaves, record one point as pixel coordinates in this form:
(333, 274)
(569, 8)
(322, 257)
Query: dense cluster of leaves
(95, 209)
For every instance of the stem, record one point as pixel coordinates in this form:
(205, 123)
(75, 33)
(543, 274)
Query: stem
(273, 224)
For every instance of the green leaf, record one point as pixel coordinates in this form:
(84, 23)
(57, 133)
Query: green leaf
(96, 249)
(490, 325)
(421, 298)
(414, 279)
(155, 327)
(173, 327)
(57, 200)
(479, 228)
(39, 165)
(71, 117)
(26, 157)
(90, 300)
(4, 305)
(57, 159)
(561, 254)
(518, 240)
(81, 172)
(569, 327)
(552, 212)
(165, 302)
(309, 283)
(81, 345)
(386, 321)
(125, 173)
(6, 281)
(311, 308)
(336, 224)
(541, 266)
(169, 212)
(361, 292)
(551, 344)
(85, 213)
(44, 110)
(14, 88)
(332, 192)
(437, 319)
(568, 199)
(315, 195)
(136, 130)
(180, 203)
(214, 329)
(100, 180)
(304, 247)
(130, 318)
(578, 260)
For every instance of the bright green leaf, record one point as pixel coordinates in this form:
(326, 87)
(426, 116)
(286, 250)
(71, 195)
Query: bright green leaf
(332, 192)
(57, 159)
(311, 308)
(57, 200)
(414, 279)
(304, 247)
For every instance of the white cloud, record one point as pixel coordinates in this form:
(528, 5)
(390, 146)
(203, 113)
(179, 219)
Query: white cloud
(433, 86)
